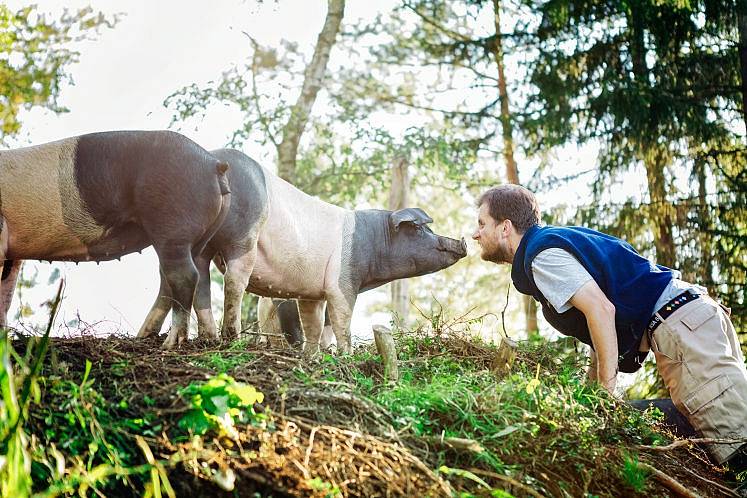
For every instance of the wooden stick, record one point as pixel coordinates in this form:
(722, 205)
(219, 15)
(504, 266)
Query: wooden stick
(387, 350)
(504, 357)
(669, 482)
(684, 442)
(457, 443)
(721, 487)
(511, 481)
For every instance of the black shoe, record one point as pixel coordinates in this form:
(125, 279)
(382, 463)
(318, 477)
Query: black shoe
(737, 465)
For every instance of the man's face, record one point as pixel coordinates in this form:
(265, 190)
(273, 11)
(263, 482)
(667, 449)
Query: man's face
(492, 236)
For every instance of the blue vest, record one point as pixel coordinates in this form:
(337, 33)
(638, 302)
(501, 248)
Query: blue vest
(630, 281)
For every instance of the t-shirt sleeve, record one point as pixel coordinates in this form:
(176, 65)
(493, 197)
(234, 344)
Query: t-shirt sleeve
(558, 276)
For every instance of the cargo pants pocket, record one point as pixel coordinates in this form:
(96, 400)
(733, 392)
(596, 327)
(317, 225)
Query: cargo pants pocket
(712, 409)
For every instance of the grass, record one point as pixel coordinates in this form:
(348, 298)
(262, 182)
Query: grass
(118, 417)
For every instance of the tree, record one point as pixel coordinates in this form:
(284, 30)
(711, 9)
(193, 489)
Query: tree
(34, 55)
(452, 37)
(657, 86)
(312, 82)
(269, 118)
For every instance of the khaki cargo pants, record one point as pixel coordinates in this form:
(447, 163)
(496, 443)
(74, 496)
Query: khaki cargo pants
(699, 357)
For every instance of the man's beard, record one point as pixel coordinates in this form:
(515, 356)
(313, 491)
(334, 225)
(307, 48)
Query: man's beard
(499, 254)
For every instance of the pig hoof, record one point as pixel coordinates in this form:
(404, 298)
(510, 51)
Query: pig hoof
(144, 333)
(229, 334)
(208, 335)
(168, 344)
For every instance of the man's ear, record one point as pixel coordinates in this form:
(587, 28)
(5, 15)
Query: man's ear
(506, 227)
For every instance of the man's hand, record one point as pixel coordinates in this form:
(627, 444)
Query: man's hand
(600, 317)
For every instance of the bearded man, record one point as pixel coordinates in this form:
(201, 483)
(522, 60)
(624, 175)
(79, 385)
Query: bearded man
(598, 289)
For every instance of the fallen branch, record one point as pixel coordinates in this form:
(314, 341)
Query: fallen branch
(721, 487)
(669, 482)
(685, 442)
(456, 443)
(510, 480)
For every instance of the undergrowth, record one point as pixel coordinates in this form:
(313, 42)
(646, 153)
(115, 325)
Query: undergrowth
(118, 417)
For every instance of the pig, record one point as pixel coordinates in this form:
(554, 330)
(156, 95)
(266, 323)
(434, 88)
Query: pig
(279, 317)
(99, 196)
(279, 242)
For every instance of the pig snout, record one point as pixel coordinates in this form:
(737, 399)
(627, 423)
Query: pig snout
(457, 247)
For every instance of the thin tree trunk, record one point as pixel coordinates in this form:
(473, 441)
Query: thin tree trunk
(398, 199)
(704, 228)
(742, 27)
(313, 78)
(512, 172)
(654, 158)
(660, 211)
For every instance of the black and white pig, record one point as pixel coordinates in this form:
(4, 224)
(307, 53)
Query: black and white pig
(100, 196)
(280, 321)
(279, 242)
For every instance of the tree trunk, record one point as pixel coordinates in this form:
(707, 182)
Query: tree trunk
(660, 211)
(398, 199)
(313, 78)
(704, 229)
(742, 28)
(654, 158)
(512, 172)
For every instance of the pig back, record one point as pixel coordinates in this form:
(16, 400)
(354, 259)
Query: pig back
(61, 198)
(40, 201)
(299, 247)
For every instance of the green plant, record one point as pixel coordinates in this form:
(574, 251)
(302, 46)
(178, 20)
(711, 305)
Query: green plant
(330, 491)
(15, 459)
(633, 474)
(222, 362)
(218, 404)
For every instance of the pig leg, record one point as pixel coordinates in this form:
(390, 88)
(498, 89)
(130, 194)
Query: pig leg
(269, 321)
(312, 320)
(182, 276)
(340, 314)
(10, 271)
(328, 335)
(157, 314)
(235, 282)
(206, 328)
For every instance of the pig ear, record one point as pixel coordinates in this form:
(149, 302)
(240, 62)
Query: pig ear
(409, 215)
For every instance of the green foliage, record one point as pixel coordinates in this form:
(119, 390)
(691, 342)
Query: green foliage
(34, 54)
(15, 462)
(633, 475)
(223, 363)
(219, 404)
(545, 403)
(656, 85)
(330, 491)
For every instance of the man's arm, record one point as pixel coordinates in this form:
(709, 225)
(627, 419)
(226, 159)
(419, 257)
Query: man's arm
(600, 317)
(592, 372)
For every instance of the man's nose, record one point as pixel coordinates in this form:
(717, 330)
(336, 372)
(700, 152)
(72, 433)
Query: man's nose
(476, 235)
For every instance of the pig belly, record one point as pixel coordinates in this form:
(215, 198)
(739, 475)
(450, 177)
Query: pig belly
(290, 278)
(126, 239)
(49, 243)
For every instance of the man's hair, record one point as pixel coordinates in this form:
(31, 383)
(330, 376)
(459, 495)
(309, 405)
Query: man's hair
(512, 202)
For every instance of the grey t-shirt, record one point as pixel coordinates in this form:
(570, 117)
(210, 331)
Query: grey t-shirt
(559, 275)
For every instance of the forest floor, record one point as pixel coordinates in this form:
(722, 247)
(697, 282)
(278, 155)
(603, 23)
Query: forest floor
(118, 416)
